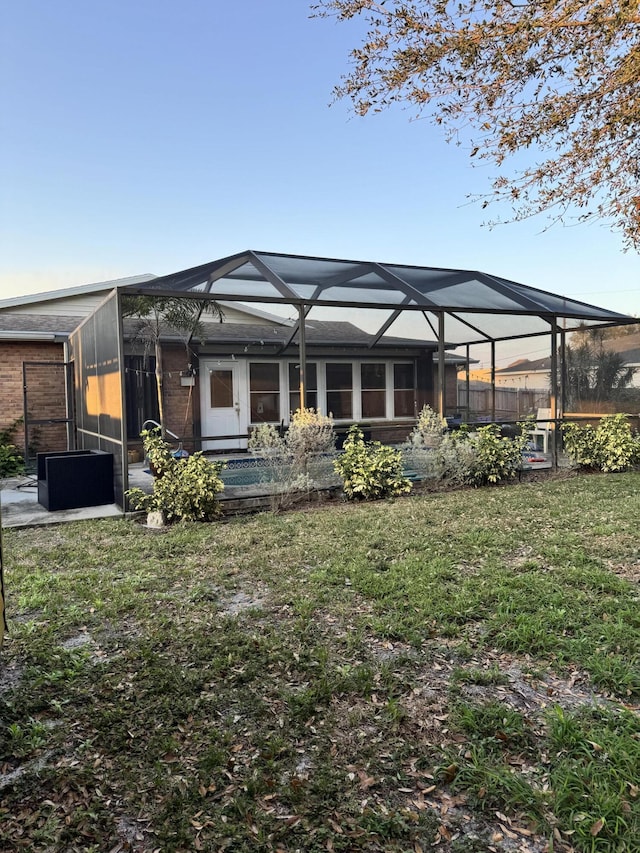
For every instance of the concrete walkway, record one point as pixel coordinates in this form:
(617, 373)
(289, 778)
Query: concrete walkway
(19, 506)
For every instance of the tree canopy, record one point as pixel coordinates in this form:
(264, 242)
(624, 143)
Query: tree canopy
(555, 78)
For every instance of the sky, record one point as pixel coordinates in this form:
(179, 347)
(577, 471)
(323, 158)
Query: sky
(149, 137)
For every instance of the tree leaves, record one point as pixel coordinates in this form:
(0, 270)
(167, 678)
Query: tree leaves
(560, 79)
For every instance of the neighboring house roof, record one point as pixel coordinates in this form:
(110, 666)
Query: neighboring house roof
(80, 290)
(628, 346)
(524, 365)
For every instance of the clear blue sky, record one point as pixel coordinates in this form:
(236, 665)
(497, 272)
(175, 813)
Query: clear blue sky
(147, 136)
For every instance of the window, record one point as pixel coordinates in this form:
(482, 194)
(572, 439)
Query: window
(264, 389)
(339, 390)
(373, 390)
(221, 384)
(311, 380)
(403, 391)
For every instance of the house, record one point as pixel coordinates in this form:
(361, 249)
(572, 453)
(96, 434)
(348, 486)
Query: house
(525, 373)
(294, 329)
(240, 372)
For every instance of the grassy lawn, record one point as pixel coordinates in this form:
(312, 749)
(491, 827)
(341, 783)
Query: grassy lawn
(455, 671)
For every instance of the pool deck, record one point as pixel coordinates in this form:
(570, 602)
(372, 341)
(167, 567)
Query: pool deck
(19, 505)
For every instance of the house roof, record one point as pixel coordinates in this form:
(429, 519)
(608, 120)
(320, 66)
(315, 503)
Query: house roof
(628, 346)
(317, 332)
(80, 290)
(477, 306)
(37, 326)
(525, 365)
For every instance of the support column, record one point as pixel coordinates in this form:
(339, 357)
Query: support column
(302, 348)
(442, 390)
(554, 392)
(468, 383)
(563, 374)
(493, 381)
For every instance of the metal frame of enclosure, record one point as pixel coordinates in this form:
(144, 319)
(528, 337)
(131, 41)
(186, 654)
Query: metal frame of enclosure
(96, 351)
(457, 308)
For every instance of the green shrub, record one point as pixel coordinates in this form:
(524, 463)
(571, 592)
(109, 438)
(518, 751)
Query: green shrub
(183, 489)
(369, 470)
(496, 457)
(265, 440)
(480, 457)
(11, 460)
(611, 447)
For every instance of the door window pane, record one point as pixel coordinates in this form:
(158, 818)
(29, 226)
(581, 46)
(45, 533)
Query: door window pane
(373, 383)
(311, 379)
(339, 390)
(264, 389)
(403, 390)
(221, 382)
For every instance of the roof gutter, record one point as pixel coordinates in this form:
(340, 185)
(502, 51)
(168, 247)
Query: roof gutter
(33, 336)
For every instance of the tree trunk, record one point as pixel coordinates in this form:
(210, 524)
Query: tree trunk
(159, 387)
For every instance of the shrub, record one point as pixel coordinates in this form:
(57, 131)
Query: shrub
(429, 429)
(495, 457)
(480, 457)
(611, 447)
(369, 470)
(293, 463)
(455, 458)
(183, 489)
(309, 434)
(265, 440)
(11, 460)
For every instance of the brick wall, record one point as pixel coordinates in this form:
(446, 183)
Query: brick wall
(179, 403)
(45, 392)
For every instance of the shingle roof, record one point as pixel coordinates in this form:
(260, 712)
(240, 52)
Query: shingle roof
(38, 323)
(317, 332)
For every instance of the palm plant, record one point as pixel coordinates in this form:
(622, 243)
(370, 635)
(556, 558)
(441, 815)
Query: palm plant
(158, 316)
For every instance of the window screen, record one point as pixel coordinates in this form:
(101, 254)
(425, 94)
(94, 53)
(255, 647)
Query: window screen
(311, 380)
(373, 384)
(404, 391)
(264, 389)
(340, 390)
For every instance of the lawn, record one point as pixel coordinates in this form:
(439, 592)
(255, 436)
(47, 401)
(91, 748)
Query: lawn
(456, 671)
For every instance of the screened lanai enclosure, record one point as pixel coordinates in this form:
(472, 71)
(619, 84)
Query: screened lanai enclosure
(365, 341)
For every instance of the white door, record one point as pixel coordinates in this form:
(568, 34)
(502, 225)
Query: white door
(224, 406)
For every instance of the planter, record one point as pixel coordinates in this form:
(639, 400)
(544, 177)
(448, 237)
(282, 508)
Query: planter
(75, 478)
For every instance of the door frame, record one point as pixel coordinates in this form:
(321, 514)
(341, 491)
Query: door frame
(240, 399)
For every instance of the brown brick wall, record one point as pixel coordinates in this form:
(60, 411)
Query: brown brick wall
(45, 392)
(179, 403)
